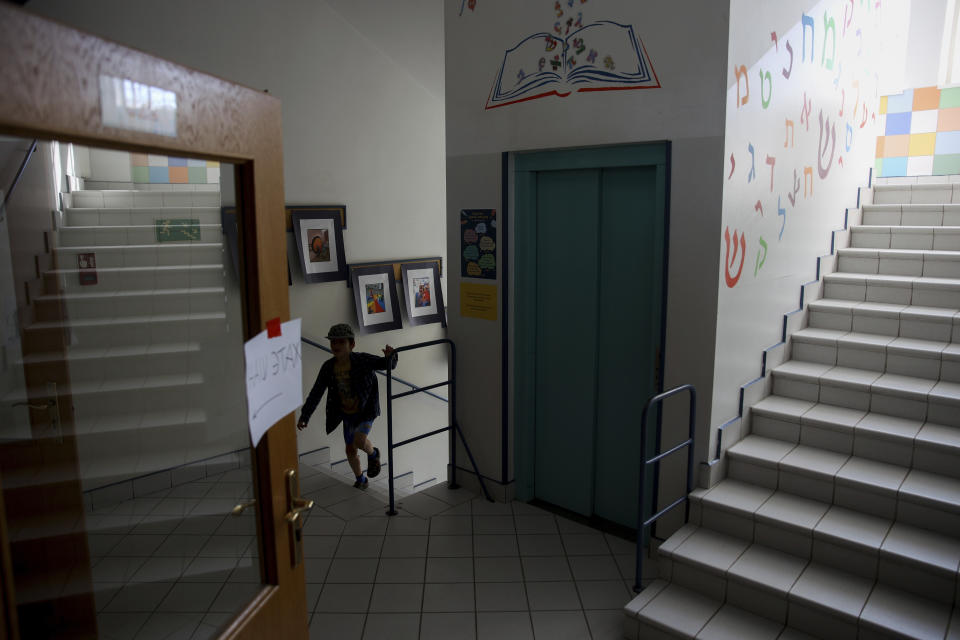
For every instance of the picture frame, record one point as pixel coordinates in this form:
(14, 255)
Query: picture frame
(319, 239)
(375, 296)
(339, 209)
(423, 293)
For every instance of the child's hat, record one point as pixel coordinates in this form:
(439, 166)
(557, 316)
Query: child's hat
(340, 331)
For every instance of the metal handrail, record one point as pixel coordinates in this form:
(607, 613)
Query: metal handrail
(16, 179)
(409, 384)
(688, 443)
(454, 427)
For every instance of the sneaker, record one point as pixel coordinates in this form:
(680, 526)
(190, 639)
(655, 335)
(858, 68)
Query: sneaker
(362, 483)
(373, 463)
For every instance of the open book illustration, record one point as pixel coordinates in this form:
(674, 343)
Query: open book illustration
(602, 56)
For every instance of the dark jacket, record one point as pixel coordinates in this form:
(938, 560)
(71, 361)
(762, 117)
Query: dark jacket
(363, 381)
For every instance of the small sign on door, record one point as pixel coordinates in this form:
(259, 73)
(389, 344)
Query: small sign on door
(273, 372)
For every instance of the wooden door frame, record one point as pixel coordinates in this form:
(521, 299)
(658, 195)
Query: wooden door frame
(50, 76)
(526, 164)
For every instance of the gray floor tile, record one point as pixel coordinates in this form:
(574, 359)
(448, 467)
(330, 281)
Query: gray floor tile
(196, 525)
(156, 525)
(323, 526)
(552, 596)
(408, 546)
(606, 594)
(495, 545)
(103, 593)
(356, 507)
(120, 626)
(451, 525)
(493, 525)
(481, 507)
(457, 496)
(559, 625)
(423, 505)
(539, 568)
(226, 546)
(359, 546)
(592, 544)
(344, 598)
(497, 570)
(444, 546)
(569, 526)
(313, 596)
(501, 596)
(367, 526)
(320, 546)
(536, 524)
(620, 545)
(117, 569)
(138, 545)
(179, 545)
(502, 625)
(101, 543)
(605, 625)
(317, 570)
(396, 598)
(449, 570)
(169, 626)
(248, 569)
(139, 597)
(395, 626)
(187, 597)
(449, 597)
(233, 597)
(408, 526)
(540, 545)
(401, 570)
(448, 626)
(462, 509)
(337, 626)
(161, 570)
(594, 568)
(353, 570)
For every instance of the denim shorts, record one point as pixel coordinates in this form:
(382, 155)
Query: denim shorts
(351, 428)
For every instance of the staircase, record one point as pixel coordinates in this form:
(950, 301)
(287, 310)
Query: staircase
(154, 361)
(840, 513)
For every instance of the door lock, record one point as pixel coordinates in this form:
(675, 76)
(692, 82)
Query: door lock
(296, 507)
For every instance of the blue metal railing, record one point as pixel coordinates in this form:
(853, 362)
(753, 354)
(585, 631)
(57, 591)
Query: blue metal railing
(454, 427)
(688, 443)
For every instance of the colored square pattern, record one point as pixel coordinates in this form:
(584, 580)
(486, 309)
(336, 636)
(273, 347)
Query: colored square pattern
(154, 169)
(921, 133)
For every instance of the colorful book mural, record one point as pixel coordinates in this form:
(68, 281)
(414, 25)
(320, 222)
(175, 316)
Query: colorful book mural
(601, 56)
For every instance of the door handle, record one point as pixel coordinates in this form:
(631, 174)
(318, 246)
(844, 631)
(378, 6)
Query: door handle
(296, 507)
(32, 405)
(243, 506)
(52, 406)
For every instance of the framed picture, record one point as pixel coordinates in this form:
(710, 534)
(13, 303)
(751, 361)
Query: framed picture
(339, 209)
(421, 289)
(375, 295)
(319, 239)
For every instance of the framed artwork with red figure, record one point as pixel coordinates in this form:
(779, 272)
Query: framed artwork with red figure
(421, 289)
(319, 240)
(375, 295)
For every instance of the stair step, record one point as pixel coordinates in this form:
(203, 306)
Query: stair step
(925, 323)
(890, 289)
(900, 262)
(145, 255)
(923, 499)
(933, 214)
(101, 304)
(105, 235)
(127, 199)
(139, 277)
(866, 390)
(816, 595)
(885, 354)
(85, 217)
(906, 193)
(905, 237)
(862, 544)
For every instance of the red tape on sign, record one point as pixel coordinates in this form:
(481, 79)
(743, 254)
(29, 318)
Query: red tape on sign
(273, 328)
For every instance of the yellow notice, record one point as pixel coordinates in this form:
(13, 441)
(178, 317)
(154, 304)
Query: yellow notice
(478, 301)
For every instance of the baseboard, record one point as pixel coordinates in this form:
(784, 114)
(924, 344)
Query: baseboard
(499, 491)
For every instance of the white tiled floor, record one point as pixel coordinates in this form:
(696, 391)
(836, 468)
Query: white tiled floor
(450, 565)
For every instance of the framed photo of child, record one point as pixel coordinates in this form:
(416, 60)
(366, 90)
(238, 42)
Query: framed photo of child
(421, 289)
(374, 292)
(319, 240)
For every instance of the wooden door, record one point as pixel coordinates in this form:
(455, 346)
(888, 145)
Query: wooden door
(56, 83)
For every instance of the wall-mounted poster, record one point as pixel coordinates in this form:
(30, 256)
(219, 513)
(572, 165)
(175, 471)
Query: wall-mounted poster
(320, 245)
(374, 292)
(478, 243)
(421, 288)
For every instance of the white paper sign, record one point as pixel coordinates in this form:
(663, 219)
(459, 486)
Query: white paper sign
(274, 383)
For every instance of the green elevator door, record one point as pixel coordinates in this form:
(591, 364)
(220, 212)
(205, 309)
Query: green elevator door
(598, 309)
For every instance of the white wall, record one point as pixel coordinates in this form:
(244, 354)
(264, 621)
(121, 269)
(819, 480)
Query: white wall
(686, 42)
(753, 297)
(361, 86)
(924, 38)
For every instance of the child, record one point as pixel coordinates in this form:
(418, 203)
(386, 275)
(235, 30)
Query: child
(353, 397)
